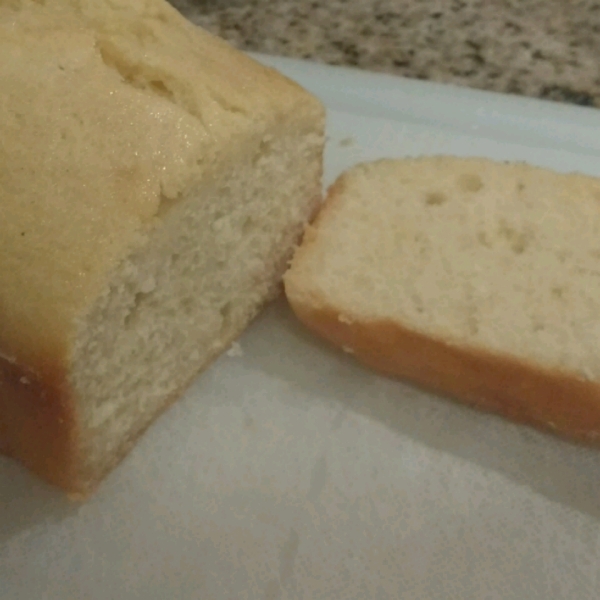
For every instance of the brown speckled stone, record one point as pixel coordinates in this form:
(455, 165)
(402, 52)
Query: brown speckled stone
(544, 48)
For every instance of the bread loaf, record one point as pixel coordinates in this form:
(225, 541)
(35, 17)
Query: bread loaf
(153, 182)
(477, 279)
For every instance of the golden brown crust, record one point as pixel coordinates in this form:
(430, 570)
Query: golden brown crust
(38, 424)
(522, 392)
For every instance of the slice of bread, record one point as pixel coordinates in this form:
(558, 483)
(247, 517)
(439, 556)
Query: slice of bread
(478, 279)
(153, 184)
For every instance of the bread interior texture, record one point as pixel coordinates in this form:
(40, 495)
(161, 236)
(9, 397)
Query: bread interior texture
(180, 300)
(500, 257)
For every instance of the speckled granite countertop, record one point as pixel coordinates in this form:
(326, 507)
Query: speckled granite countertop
(544, 48)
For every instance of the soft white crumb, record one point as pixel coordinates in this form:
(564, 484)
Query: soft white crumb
(235, 350)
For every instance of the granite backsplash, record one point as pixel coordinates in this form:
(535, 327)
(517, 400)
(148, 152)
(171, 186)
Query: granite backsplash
(542, 48)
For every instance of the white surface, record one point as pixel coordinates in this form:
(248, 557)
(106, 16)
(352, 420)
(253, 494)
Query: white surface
(290, 472)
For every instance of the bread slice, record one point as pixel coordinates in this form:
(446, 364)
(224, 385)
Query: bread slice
(153, 184)
(477, 279)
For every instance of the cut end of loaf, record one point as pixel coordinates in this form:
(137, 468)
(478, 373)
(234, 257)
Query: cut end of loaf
(218, 256)
(171, 308)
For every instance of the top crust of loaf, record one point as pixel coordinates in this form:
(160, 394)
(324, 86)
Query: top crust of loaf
(109, 111)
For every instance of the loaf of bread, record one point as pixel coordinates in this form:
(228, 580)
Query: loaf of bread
(477, 279)
(153, 184)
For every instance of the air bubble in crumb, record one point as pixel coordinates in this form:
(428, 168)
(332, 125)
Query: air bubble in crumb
(235, 350)
(345, 319)
(148, 286)
(25, 381)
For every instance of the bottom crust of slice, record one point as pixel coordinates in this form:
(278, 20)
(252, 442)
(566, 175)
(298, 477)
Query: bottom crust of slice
(552, 401)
